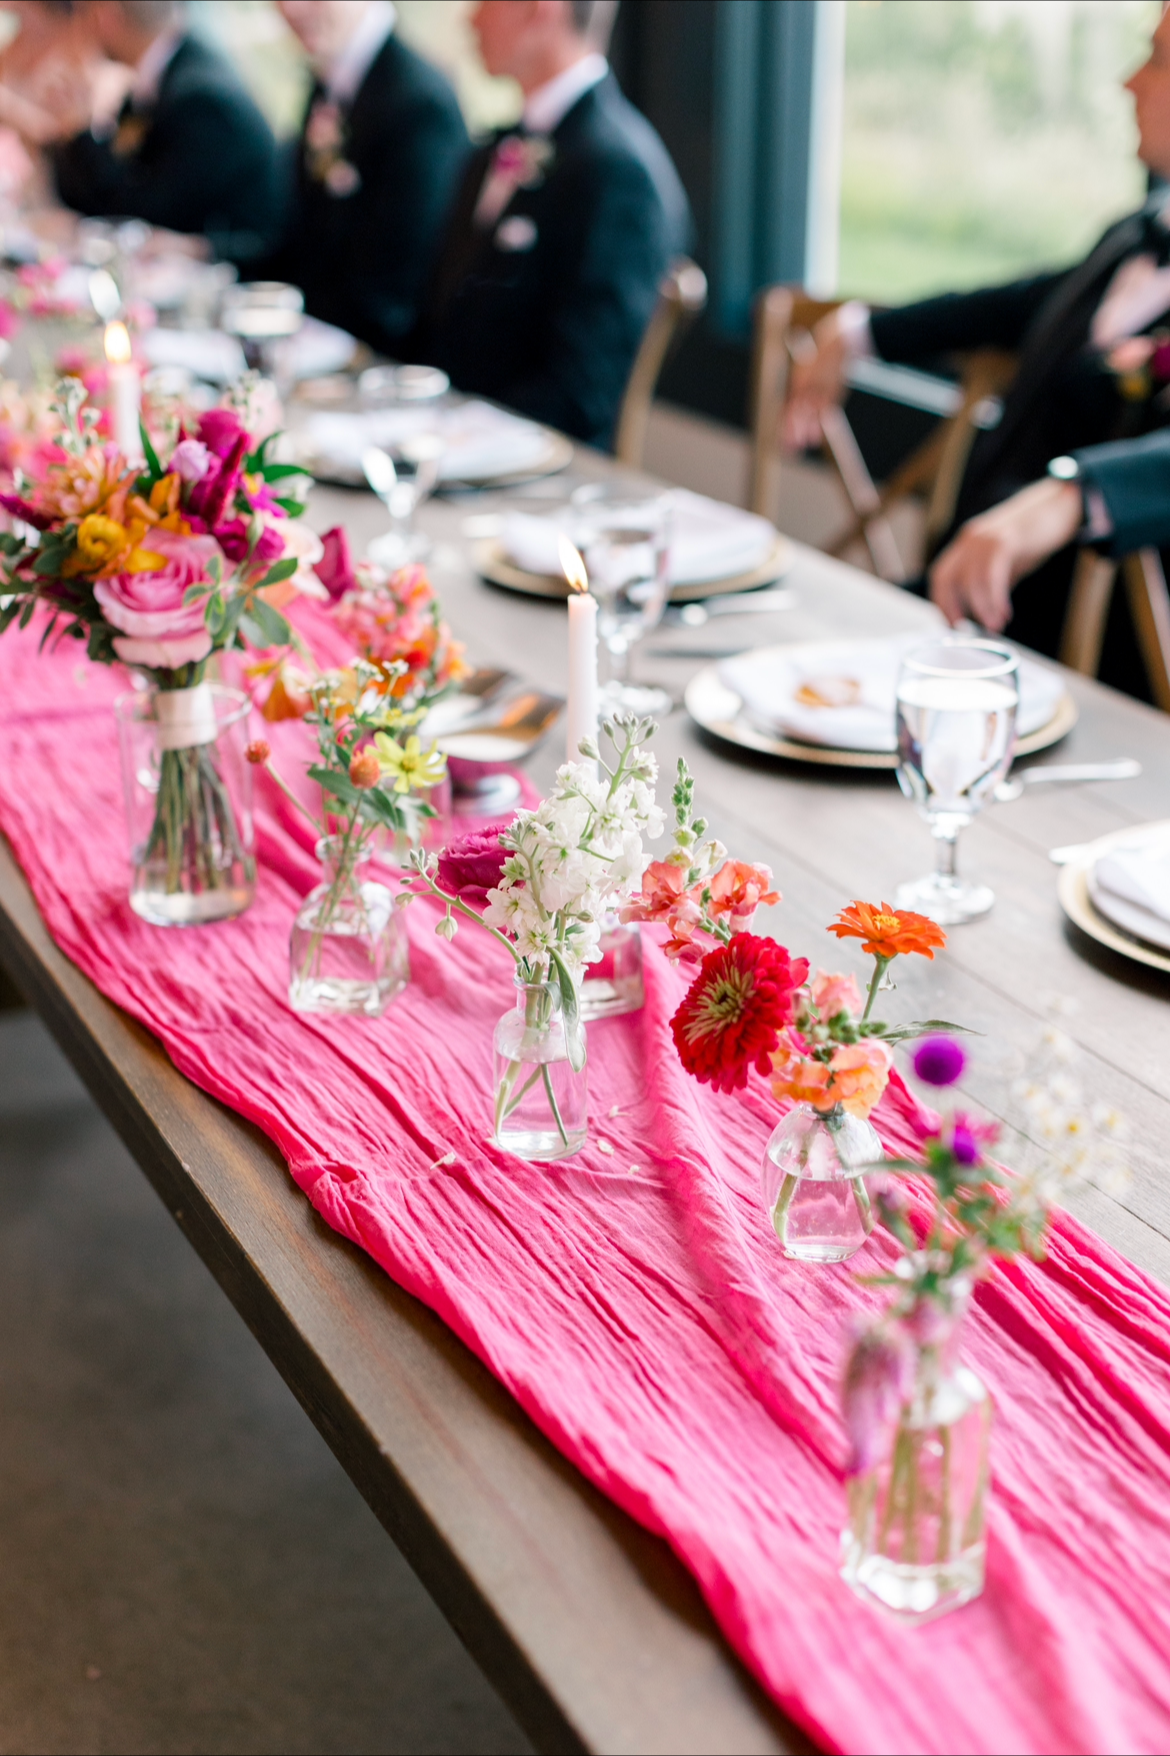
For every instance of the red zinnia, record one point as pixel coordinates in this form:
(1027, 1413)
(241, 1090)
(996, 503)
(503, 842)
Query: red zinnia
(735, 1009)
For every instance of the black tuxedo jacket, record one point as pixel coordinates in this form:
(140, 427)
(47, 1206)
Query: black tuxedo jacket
(1133, 479)
(546, 314)
(362, 250)
(1064, 397)
(200, 159)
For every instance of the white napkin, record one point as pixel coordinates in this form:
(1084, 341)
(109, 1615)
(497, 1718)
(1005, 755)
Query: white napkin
(205, 353)
(708, 540)
(856, 681)
(479, 441)
(315, 350)
(1131, 885)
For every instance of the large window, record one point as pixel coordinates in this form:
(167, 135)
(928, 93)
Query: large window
(983, 138)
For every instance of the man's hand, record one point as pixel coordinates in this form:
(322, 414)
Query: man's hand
(816, 382)
(974, 576)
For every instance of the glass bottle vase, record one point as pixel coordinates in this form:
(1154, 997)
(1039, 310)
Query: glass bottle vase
(348, 951)
(915, 1541)
(541, 1099)
(614, 986)
(814, 1183)
(188, 795)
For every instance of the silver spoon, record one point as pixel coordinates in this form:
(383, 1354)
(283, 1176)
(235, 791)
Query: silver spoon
(1124, 768)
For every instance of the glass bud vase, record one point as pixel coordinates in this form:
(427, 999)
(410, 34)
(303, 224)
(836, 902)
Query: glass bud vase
(614, 986)
(348, 951)
(814, 1183)
(915, 1541)
(541, 1099)
(188, 803)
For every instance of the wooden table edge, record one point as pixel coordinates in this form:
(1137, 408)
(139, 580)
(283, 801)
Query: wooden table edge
(120, 1063)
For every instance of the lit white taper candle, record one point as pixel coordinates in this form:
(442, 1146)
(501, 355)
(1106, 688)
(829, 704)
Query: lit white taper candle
(583, 691)
(125, 390)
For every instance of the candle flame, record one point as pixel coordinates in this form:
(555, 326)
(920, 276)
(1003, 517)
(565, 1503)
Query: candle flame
(117, 341)
(572, 566)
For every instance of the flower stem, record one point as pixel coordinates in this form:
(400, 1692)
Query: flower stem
(880, 966)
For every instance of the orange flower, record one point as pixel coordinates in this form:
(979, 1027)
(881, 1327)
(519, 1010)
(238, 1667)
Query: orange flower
(858, 1075)
(888, 932)
(737, 890)
(365, 771)
(795, 1076)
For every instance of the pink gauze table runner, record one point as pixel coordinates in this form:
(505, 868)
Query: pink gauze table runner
(634, 1300)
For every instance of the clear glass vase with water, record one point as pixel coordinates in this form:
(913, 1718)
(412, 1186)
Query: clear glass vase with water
(814, 1183)
(348, 951)
(957, 704)
(540, 1083)
(916, 1537)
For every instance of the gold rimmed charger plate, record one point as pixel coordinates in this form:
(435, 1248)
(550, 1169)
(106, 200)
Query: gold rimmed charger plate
(1073, 891)
(718, 709)
(492, 563)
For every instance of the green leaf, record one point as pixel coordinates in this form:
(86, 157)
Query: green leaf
(382, 807)
(215, 616)
(334, 782)
(148, 451)
(194, 592)
(273, 627)
(278, 571)
(279, 472)
(574, 1035)
(919, 1027)
(294, 508)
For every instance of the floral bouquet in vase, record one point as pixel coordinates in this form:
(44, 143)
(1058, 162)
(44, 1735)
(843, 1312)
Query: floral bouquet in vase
(917, 1418)
(753, 1008)
(349, 951)
(542, 887)
(160, 565)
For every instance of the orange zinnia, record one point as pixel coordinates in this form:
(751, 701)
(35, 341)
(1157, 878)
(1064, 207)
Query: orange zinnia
(887, 931)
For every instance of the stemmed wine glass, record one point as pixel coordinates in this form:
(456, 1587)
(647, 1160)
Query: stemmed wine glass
(402, 482)
(957, 703)
(624, 539)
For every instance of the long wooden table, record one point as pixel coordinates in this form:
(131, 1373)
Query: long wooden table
(590, 1628)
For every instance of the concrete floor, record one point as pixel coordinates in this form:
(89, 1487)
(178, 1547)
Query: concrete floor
(183, 1566)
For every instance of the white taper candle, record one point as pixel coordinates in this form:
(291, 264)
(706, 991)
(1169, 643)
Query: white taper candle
(581, 717)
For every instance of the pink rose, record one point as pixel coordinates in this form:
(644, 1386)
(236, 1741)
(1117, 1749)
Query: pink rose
(472, 866)
(834, 994)
(335, 568)
(158, 629)
(191, 460)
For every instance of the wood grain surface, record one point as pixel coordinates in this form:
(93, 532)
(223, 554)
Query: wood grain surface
(590, 1628)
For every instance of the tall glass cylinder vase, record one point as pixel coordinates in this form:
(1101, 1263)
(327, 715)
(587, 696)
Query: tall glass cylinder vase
(814, 1183)
(915, 1541)
(188, 794)
(541, 1098)
(348, 951)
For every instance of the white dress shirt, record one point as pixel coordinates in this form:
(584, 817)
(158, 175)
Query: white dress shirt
(345, 77)
(551, 102)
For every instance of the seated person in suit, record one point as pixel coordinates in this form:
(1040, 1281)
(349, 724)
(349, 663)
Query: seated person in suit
(376, 168)
(561, 231)
(1115, 497)
(1074, 332)
(188, 151)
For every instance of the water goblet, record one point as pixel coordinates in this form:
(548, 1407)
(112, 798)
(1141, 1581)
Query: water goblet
(957, 704)
(402, 478)
(624, 539)
(262, 314)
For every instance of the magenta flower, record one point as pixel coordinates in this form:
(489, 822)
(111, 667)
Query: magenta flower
(939, 1060)
(335, 568)
(233, 539)
(219, 429)
(472, 866)
(879, 1378)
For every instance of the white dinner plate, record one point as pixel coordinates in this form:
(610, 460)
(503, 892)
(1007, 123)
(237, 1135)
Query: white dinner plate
(1081, 902)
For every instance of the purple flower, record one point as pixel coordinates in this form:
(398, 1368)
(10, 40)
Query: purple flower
(470, 867)
(879, 1378)
(939, 1061)
(964, 1145)
(190, 460)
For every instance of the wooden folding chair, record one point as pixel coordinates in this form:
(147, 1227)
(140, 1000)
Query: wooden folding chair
(682, 294)
(1088, 609)
(784, 319)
